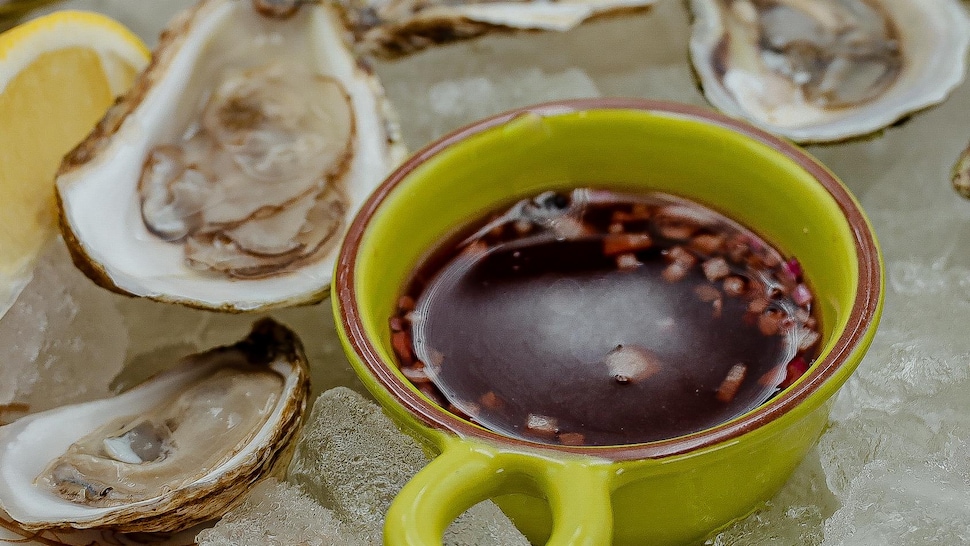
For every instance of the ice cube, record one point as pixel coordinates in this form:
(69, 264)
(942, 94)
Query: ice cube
(352, 459)
(447, 104)
(911, 369)
(483, 525)
(848, 446)
(162, 334)
(893, 502)
(277, 513)
(63, 339)
(896, 455)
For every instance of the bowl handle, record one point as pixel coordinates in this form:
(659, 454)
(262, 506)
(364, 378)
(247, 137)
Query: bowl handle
(578, 492)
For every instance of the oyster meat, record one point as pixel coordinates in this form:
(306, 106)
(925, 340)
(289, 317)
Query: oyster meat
(828, 70)
(172, 452)
(226, 178)
(393, 28)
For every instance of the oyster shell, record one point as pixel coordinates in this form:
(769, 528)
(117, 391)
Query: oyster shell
(828, 70)
(961, 173)
(226, 178)
(394, 28)
(170, 453)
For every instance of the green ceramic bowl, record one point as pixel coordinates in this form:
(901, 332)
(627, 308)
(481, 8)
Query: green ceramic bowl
(675, 491)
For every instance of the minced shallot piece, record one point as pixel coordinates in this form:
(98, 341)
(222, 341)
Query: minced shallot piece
(732, 382)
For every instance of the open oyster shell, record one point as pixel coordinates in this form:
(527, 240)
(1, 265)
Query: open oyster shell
(393, 28)
(179, 449)
(226, 178)
(828, 70)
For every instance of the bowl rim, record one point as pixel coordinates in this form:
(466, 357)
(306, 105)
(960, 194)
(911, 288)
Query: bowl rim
(863, 315)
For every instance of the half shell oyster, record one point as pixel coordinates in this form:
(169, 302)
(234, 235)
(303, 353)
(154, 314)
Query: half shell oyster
(226, 178)
(172, 452)
(828, 70)
(393, 28)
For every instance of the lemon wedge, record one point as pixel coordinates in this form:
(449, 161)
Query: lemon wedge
(58, 75)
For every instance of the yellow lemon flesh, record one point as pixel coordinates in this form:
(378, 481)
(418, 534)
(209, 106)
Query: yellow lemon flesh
(58, 75)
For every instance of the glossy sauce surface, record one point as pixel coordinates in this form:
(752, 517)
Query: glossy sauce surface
(596, 318)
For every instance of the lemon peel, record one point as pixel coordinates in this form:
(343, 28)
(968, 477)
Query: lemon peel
(58, 75)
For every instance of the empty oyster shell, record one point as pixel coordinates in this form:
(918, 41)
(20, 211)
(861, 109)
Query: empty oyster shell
(225, 179)
(828, 70)
(172, 452)
(393, 28)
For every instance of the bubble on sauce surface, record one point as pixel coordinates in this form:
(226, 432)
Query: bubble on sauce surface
(278, 514)
(353, 460)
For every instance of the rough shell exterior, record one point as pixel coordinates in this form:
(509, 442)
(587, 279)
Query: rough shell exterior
(180, 509)
(396, 28)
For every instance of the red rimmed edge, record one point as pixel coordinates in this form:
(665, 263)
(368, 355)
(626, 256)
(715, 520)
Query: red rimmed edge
(861, 316)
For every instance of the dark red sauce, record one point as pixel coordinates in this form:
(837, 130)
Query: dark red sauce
(599, 318)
